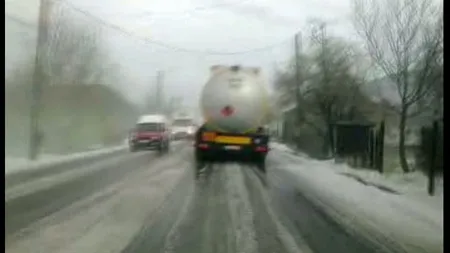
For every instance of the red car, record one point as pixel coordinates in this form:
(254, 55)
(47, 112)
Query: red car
(150, 133)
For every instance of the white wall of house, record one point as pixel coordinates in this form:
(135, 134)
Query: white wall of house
(391, 137)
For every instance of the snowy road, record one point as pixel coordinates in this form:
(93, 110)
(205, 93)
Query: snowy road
(142, 202)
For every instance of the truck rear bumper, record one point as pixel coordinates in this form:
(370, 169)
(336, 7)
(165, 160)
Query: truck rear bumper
(224, 153)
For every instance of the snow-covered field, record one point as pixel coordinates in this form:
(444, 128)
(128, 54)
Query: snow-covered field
(16, 164)
(396, 206)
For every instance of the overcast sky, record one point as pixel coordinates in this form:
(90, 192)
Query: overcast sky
(196, 25)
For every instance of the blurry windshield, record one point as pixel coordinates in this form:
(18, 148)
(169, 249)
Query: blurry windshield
(182, 122)
(348, 95)
(143, 127)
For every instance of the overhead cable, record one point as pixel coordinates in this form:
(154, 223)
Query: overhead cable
(167, 45)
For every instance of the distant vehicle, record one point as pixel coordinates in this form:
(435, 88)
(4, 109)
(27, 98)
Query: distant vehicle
(183, 128)
(235, 109)
(150, 133)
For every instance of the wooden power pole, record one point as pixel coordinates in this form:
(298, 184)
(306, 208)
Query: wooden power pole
(298, 45)
(159, 100)
(298, 81)
(35, 134)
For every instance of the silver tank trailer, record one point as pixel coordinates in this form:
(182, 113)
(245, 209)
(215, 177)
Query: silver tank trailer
(234, 99)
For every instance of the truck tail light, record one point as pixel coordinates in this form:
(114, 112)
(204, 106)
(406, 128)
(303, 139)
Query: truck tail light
(203, 146)
(261, 149)
(209, 136)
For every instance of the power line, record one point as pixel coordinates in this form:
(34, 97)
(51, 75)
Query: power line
(156, 42)
(166, 45)
(195, 9)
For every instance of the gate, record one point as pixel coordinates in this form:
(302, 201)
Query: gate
(362, 141)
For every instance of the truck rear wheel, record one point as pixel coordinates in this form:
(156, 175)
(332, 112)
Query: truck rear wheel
(202, 157)
(260, 163)
(199, 157)
(199, 163)
(261, 166)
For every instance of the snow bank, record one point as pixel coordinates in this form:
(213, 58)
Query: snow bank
(391, 216)
(281, 147)
(15, 164)
(413, 185)
(285, 148)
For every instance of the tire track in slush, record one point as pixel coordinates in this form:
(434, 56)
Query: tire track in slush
(23, 211)
(96, 198)
(322, 232)
(242, 215)
(192, 226)
(220, 218)
(97, 216)
(174, 235)
(272, 235)
(125, 217)
(216, 235)
(151, 237)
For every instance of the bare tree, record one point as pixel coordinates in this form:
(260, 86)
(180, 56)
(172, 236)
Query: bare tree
(73, 60)
(404, 39)
(335, 87)
(73, 53)
(331, 88)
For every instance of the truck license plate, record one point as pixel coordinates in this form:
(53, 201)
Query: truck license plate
(144, 141)
(232, 147)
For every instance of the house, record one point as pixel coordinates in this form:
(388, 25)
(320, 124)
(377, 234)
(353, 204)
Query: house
(383, 92)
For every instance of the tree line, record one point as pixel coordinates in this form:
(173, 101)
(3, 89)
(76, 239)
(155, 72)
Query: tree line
(79, 101)
(401, 44)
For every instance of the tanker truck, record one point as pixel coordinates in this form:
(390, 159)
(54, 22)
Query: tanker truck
(235, 110)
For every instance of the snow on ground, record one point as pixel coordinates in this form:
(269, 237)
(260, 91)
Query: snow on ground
(413, 185)
(107, 225)
(387, 204)
(285, 148)
(16, 164)
(281, 147)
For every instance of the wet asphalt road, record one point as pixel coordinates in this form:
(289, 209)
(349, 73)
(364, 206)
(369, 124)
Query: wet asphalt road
(143, 202)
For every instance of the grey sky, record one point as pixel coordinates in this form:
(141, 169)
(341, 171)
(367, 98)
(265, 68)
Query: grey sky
(209, 25)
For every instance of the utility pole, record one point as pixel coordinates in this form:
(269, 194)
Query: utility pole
(35, 134)
(159, 91)
(298, 49)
